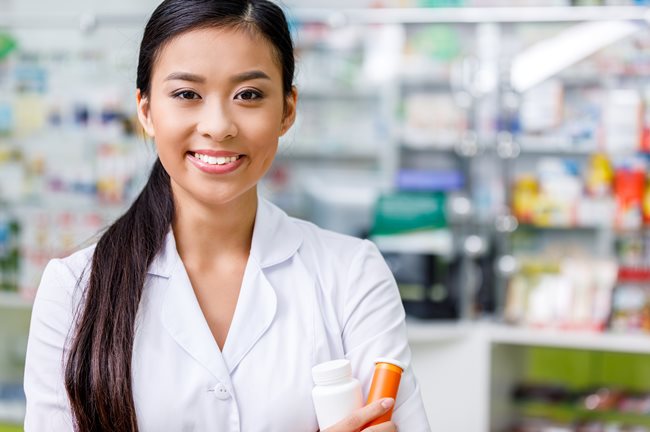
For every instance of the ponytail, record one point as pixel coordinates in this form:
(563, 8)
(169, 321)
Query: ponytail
(98, 367)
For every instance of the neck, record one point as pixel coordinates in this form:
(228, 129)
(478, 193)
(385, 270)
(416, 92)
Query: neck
(207, 235)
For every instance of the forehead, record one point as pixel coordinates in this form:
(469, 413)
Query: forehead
(217, 52)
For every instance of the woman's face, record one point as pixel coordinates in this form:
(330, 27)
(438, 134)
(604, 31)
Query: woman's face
(216, 110)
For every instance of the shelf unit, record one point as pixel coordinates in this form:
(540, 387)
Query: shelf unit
(468, 370)
(584, 340)
(422, 332)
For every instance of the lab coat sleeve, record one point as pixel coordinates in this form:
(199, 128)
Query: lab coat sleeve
(48, 408)
(374, 327)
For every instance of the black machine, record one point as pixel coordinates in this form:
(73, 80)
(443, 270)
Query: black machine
(432, 286)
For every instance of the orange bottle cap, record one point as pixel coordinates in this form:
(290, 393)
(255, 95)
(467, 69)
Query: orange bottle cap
(391, 361)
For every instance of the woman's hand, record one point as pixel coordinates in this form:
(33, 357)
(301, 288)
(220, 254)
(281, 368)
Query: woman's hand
(359, 418)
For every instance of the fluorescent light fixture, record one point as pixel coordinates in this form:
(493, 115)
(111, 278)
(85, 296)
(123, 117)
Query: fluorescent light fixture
(549, 57)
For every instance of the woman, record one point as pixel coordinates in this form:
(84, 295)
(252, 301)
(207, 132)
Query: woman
(204, 307)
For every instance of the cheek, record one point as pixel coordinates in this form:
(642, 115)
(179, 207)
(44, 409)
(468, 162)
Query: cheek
(264, 129)
(171, 125)
(264, 144)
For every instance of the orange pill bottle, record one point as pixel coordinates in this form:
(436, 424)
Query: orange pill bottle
(385, 383)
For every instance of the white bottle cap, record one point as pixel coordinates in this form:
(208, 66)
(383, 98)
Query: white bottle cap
(331, 371)
(397, 363)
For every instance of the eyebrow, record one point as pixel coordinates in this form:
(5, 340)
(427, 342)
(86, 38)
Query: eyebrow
(185, 76)
(248, 76)
(244, 76)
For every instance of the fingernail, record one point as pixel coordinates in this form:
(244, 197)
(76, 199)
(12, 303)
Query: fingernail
(387, 403)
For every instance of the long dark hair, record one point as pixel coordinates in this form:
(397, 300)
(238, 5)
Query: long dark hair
(98, 365)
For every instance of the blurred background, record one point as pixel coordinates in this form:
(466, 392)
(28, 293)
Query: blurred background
(496, 151)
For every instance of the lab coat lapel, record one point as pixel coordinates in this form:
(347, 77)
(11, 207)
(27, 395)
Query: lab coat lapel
(254, 314)
(276, 238)
(184, 320)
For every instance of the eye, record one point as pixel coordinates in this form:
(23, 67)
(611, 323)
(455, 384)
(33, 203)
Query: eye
(249, 95)
(186, 94)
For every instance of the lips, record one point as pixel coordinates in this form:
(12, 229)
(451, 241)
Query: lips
(217, 162)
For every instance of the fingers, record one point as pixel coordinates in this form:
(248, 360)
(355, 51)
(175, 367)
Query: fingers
(355, 421)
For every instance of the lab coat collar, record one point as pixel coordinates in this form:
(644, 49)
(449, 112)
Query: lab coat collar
(276, 237)
(163, 262)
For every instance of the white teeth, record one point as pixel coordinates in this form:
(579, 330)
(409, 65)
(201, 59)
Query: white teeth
(215, 160)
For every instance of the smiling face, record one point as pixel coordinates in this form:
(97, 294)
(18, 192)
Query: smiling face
(216, 109)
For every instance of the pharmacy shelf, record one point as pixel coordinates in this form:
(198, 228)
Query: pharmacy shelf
(471, 15)
(596, 79)
(310, 152)
(527, 226)
(336, 18)
(545, 145)
(556, 145)
(616, 342)
(422, 141)
(11, 300)
(564, 410)
(433, 332)
(410, 82)
(329, 92)
(615, 232)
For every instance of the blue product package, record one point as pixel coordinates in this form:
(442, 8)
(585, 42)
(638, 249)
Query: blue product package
(428, 180)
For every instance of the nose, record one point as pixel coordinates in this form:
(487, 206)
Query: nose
(216, 122)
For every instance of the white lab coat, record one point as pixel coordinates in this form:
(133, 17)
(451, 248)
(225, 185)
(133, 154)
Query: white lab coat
(307, 296)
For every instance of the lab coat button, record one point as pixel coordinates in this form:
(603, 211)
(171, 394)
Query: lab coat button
(221, 392)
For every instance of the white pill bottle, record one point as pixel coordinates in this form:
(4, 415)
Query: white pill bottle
(336, 393)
